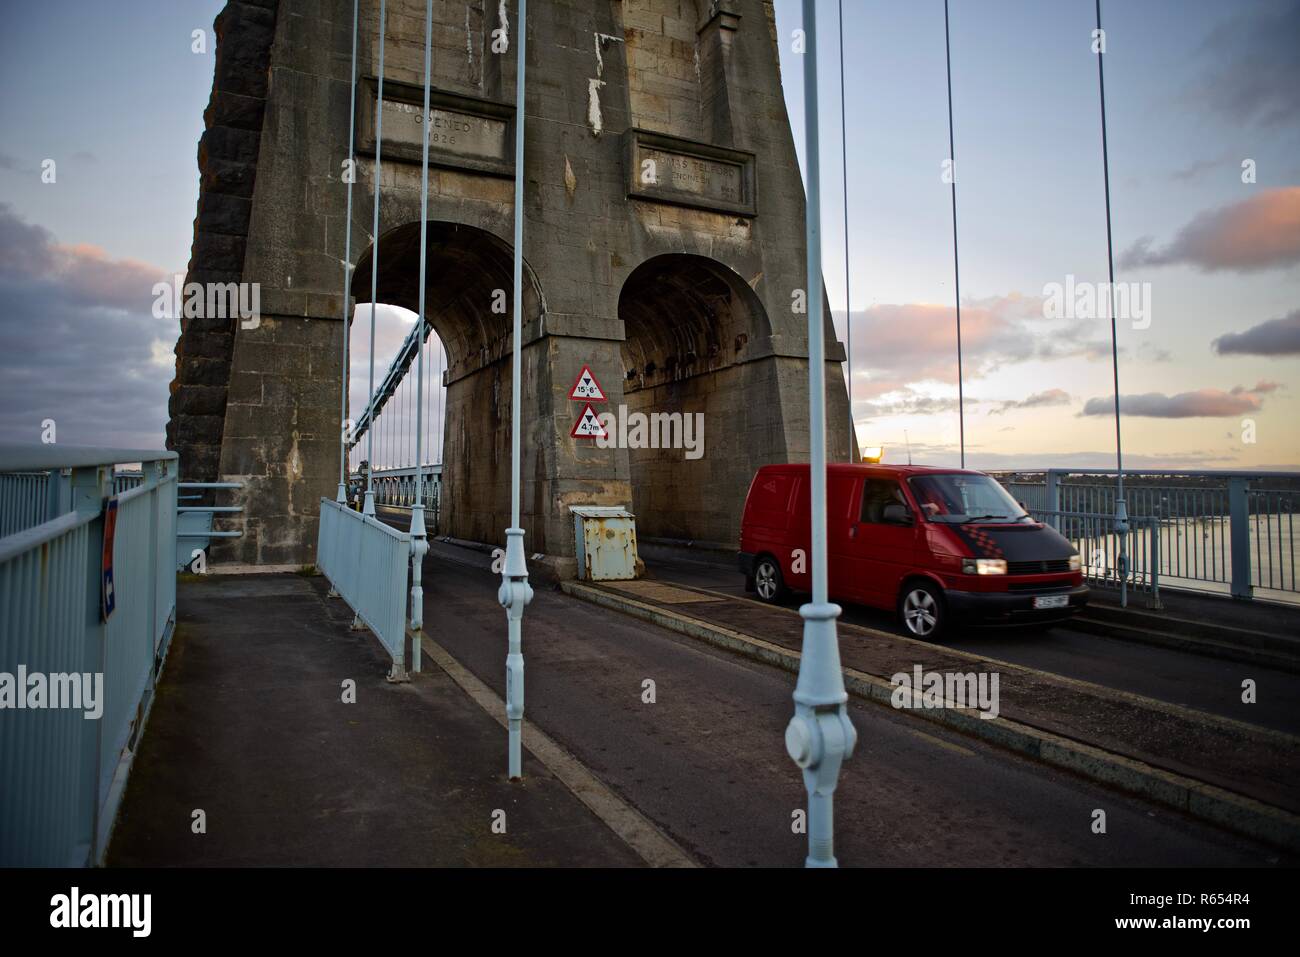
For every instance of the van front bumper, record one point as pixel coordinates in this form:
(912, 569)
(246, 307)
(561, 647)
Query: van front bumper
(747, 564)
(1014, 606)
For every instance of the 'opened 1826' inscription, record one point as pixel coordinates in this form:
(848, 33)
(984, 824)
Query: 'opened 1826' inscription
(449, 131)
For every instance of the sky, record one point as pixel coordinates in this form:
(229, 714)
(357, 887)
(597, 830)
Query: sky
(1193, 89)
(1207, 366)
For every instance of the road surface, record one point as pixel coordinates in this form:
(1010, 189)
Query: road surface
(1176, 677)
(706, 760)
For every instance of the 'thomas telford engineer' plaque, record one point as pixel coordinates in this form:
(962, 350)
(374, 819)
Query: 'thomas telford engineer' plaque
(673, 170)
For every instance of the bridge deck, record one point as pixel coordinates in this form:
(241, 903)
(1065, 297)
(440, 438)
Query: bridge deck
(1253, 761)
(249, 726)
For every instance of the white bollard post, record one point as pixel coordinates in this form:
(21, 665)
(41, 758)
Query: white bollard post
(515, 592)
(820, 735)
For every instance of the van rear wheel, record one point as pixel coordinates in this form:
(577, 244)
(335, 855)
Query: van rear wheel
(922, 611)
(769, 585)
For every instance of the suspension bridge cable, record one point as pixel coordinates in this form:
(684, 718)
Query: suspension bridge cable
(848, 284)
(516, 370)
(344, 450)
(418, 539)
(424, 252)
(956, 266)
(439, 426)
(374, 252)
(1121, 513)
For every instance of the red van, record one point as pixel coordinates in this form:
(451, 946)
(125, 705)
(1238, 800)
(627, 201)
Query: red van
(930, 543)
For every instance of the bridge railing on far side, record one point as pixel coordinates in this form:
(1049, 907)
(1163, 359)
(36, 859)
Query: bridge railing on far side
(366, 563)
(1230, 532)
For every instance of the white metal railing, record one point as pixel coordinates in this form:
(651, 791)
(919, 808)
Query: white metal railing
(194, 532)
(1230, 532)
(366, 562)
(1093, 534)
(396, 488)
(24, 501)
(29, 498)
(62, 766)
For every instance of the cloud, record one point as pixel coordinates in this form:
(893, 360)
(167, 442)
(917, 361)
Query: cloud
(1203, 403)
(896, 345)
(905, 402)
(911, 401)
(1259, 233)
(1276, 337)
(1255, 77)
(996, 461)
(1195, 169)
(1262, 387)
(1038, 400)
(978, 457)
(79, 342)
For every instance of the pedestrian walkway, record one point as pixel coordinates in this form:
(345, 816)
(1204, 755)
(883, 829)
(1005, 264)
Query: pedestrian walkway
(251, 729)
(1215, 767)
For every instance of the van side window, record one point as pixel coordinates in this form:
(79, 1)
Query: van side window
(772, 492)
(876, 494)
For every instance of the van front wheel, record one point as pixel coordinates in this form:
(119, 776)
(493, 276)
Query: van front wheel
(768, 583)
(921, 609)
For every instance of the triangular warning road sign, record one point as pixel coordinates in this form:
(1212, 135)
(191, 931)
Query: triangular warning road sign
(589, 425)
(586, 388)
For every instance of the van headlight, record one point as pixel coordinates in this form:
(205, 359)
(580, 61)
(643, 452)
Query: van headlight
(1075, 562)
(984, 566)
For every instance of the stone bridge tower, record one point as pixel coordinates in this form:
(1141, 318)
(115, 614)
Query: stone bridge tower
(664, 245)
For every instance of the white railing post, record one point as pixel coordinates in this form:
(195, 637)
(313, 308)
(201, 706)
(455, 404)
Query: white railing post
(369, 507)
(1053, 492)
(1153, 527)
(1239, 537)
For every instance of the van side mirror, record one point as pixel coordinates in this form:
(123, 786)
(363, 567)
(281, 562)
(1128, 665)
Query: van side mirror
(895, 513)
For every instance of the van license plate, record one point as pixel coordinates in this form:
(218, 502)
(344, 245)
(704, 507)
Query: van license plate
(1052, 601)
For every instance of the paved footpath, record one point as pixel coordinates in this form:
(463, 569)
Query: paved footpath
(249, 726)
(707, 764)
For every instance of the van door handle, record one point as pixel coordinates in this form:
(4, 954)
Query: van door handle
(853, 531)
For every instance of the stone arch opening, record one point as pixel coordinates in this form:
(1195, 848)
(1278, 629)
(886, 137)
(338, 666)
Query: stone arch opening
(693, 331)
(469, 293)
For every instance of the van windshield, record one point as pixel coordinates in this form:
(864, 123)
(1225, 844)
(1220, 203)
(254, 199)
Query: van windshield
(958, 498)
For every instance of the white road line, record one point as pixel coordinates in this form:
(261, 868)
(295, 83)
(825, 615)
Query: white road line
(635, 830)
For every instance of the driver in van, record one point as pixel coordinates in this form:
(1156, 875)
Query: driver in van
(932, 502)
